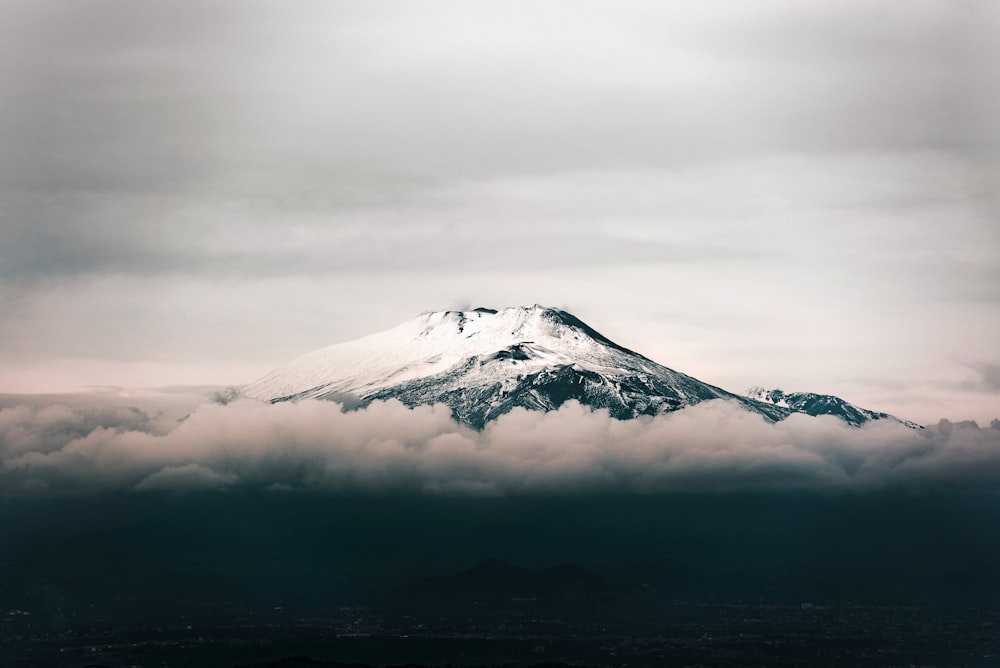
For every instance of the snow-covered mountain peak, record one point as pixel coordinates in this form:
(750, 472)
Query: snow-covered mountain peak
(484, 362)
(515, 323)
(774, 396)
(432, 343)
(483, 331)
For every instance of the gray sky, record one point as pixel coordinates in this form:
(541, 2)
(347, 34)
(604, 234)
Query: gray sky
(802, 195)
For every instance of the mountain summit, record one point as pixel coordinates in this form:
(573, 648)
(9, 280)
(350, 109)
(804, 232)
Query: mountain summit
(483, 363)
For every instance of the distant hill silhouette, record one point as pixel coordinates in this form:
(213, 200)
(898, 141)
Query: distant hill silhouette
(495, 585)
(302, 661)
(493, 578)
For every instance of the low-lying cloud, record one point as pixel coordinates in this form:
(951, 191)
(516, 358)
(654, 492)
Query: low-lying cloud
(389, 448)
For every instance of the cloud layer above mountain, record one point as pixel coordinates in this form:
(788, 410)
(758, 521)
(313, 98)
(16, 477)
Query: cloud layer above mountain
(388, 448)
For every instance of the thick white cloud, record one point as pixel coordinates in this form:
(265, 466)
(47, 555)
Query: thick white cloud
(389, 448)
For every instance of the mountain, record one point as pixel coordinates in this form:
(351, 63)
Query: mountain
(493, 585)
(821, 404)
(493, 578)
(483, 363)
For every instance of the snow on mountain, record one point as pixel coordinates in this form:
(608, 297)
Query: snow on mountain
(483, 363)
(811, 403)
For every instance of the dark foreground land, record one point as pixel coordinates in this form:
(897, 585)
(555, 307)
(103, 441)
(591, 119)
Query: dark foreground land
(695, 635)
(687, 580)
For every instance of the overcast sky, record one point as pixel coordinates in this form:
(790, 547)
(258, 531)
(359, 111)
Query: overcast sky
(800, 195)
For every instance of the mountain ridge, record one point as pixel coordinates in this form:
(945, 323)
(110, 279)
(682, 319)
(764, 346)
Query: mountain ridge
(484, 362)
(815, 404)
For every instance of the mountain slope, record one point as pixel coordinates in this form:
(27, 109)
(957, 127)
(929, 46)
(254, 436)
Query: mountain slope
(483, 363)
(566, 590)
(814, 404)
(495, 579)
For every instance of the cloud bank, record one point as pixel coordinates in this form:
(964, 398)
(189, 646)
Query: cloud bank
(389, 448)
